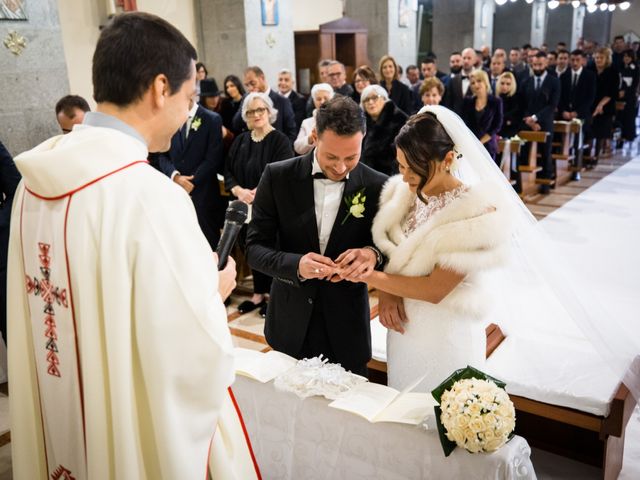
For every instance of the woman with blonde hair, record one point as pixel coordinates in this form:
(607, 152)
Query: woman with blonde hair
(398, 92)
(483, 112)
(604, 105)
(511, 110)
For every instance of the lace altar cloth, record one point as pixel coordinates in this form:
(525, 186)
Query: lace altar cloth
(304, 438)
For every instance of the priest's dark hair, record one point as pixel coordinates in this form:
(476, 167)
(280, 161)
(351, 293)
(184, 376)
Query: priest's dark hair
(342, 116)
(424, 142)
(133, 49)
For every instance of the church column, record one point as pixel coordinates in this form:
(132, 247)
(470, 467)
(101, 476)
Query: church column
(538, 22)
(392, 28)
(234, 37)
(453, 28)
(577, 26)
(483, 23)
(33, 78)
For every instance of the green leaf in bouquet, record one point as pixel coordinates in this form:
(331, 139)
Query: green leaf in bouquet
(447, 445)
(461, 374)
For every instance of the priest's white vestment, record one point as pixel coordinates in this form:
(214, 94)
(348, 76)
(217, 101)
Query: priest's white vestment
(120, 357)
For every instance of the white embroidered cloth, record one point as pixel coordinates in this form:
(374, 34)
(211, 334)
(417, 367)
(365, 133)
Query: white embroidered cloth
(316, 376)
(420, 212)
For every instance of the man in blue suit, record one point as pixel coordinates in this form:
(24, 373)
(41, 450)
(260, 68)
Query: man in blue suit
(9, 179)
(254, 81)
(540, 97)
(195, 159)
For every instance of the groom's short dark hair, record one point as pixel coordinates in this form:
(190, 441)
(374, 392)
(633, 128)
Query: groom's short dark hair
(133, 49)
(342, 116)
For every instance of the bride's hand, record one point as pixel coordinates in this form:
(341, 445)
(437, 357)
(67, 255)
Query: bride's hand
(391, 311)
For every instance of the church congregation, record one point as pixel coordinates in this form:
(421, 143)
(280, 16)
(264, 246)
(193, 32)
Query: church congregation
(392, 237)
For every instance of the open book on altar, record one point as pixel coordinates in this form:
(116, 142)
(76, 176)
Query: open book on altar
(262, 367)
(379, 403)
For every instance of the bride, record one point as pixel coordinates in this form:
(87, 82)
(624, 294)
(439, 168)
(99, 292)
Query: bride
(440, 236)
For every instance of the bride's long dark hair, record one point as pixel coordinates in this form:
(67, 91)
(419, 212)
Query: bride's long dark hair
(424, 142)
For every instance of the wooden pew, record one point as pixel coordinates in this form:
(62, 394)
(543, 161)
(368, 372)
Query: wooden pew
(530, 168)
(564, 155)
(509, 151)
(588, 438)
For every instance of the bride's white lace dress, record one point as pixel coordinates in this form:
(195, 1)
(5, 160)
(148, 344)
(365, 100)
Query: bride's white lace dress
(464, 230)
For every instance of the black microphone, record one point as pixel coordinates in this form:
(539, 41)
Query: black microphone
(233, 221)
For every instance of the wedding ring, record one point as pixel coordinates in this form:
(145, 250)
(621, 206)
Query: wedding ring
(317, 270)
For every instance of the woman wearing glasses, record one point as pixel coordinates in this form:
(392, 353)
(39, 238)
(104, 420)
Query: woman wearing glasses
(384, 121)
(250, 153)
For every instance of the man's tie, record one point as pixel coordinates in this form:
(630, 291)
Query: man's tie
(183, 133)
(537, 83)
(322, 176)
(575, 81)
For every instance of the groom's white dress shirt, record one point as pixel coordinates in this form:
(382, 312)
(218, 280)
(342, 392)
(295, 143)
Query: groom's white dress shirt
(327, 196)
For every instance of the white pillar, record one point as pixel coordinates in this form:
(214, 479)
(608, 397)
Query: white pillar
(483, 23)
(577, 25)
(538, 22)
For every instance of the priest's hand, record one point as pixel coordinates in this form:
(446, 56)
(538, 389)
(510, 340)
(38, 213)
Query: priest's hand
(355, 265)
(391, 311)
(185, 182)
(314, 265)
(226, 277)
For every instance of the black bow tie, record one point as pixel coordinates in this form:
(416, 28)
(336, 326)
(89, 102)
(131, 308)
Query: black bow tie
(322, 176)
(464, 76)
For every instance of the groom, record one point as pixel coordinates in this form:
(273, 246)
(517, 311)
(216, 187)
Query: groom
(311, 223)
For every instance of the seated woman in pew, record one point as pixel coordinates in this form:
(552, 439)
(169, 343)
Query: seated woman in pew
(320, 93)
(511, 110)
(431, 91)
(604, 105)
(483, 112)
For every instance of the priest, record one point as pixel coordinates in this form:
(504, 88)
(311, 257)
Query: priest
(121, 359)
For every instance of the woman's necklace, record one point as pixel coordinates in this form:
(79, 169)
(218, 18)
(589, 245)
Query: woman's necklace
(258, 137)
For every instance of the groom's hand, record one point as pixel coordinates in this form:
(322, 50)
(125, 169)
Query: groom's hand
(355, 265)
(314, 265)
(391, 311)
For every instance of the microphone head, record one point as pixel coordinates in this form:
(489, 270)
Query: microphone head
(237, 212)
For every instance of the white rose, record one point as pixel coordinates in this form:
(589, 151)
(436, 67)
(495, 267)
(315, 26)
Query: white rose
(357, 210)
(490, 420)
(475, 408)
(456, 435)
(477, 425)
(493, 445)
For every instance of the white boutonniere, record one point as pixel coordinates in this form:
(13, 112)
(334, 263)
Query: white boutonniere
(195, 124)
(355, 205)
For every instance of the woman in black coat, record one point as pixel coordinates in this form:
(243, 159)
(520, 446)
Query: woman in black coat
(511, 107)
(604, 105)
(384, 121)
(630, 75)
(249, 155)
(483, 112)
(398, 92)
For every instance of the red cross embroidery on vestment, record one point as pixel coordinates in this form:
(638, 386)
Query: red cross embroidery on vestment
(51, 295)
(62, 473)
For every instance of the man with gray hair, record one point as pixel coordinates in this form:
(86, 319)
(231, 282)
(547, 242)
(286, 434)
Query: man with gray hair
(286, 83)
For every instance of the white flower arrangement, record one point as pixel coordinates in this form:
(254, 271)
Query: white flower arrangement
(355, 205)
(477, 415)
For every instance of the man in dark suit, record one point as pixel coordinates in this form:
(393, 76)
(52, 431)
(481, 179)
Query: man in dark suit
(254, 81)
(577, 93)
(458, 86)
(540, 96)
(311, 223)
(194, 161)
(298, 102)
(9, 179)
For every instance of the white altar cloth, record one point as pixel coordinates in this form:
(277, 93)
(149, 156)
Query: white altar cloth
(305, 439)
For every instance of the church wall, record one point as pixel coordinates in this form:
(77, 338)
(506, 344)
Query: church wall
(559, 21)
(627, 21)
(33, 81)
(597, 27)
(453, 22)
(310, 14)
(511, 25)
(402, 40)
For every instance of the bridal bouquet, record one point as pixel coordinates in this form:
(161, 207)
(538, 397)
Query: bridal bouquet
(475, 412)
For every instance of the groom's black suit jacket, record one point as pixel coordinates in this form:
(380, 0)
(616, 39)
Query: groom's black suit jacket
(283, 229)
